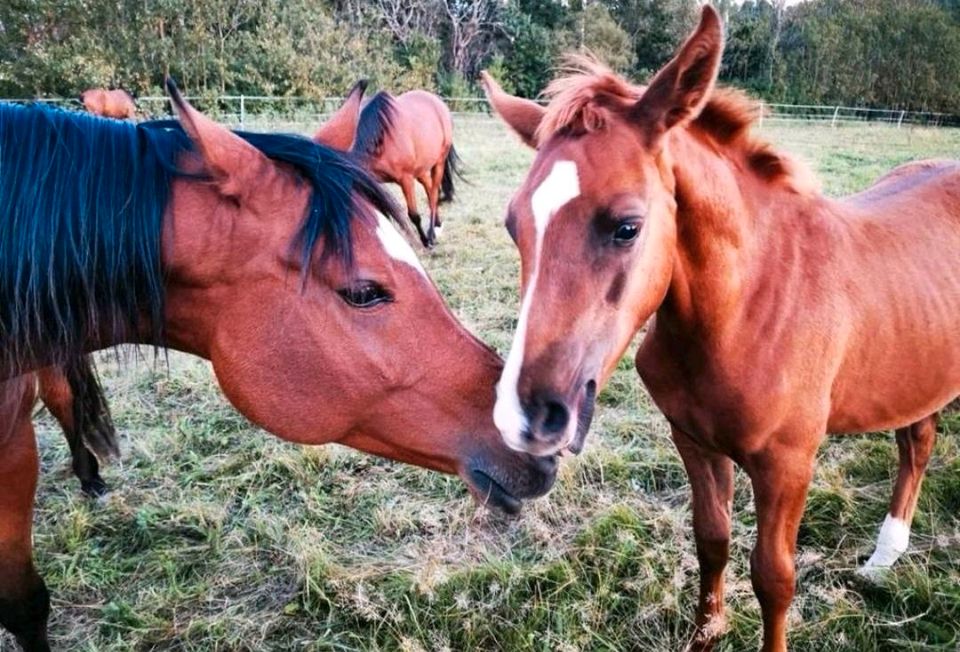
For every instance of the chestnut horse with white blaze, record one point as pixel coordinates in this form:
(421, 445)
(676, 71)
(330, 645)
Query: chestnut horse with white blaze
(109, 103)
(407, 139)
(779, 314)
(272, 256)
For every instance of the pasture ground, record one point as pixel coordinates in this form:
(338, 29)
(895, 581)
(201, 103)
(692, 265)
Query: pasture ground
(219, 537)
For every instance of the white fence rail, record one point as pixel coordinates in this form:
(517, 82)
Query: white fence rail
(239, 110)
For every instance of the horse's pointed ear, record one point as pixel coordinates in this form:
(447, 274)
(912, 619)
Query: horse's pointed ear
(521, 115)
(340, 130)
(233, 163)
(682, 88)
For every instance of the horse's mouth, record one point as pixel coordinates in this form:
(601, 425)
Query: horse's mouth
(584, 418)
(491, 493)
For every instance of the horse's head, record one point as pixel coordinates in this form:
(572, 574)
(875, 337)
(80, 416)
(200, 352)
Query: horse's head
(595, 223)
(328, 345)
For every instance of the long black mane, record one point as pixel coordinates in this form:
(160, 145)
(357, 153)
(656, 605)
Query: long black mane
(82, 201)
(376, 120)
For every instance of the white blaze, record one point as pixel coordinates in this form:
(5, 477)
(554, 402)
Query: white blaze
(892, 542)
(396, 246)
(559, 187)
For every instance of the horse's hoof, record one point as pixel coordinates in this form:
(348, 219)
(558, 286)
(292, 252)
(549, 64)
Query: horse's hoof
(95, 488)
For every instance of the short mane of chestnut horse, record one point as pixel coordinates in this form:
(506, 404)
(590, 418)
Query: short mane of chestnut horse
(272, 256)
(402, 140)
(112, 103)
(780, 314)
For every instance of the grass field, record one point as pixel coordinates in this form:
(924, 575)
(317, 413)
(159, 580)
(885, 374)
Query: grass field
(217, 536)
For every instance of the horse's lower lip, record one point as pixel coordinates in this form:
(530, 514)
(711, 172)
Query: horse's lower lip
(490, 492)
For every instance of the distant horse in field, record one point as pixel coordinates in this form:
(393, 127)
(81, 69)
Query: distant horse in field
(272, 256)
(114, 103)
(401, 140)
(780, 315)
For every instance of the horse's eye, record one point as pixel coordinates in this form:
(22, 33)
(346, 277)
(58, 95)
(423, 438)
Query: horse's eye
(625, 233)
(365, 294)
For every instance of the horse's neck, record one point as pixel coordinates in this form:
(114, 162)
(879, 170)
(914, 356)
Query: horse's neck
(728, 222)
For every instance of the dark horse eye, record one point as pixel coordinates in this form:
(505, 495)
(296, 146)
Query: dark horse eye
(365, 294)
(626, 233)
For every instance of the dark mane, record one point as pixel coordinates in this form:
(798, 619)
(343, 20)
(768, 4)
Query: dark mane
(82, 201)
(376, 119)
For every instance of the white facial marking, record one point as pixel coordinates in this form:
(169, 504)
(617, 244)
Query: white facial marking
(892, 542)
(559, 187)
(396, 246)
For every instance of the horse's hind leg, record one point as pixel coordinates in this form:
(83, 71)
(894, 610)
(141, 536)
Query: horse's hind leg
(410, 196)
(58, 396)
(436, 178)
(915, 443)
(432, 189)
(24, 601)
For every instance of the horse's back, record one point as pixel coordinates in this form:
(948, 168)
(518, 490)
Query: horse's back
(904, 290)
(425, 123)
(937, 180)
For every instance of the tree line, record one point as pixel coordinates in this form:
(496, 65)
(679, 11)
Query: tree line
(901, 54)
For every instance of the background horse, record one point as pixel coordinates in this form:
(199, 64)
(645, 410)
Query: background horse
(73, 395)
(270, 255)
(115, 103)
(410, 138)
(781, 315)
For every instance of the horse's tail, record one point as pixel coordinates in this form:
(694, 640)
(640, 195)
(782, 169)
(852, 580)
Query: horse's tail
(452, 167)
(91, 415)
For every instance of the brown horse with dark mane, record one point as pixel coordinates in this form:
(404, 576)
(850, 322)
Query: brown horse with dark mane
(780, 315)
(109, 103)
(272, 256)
(401, 140)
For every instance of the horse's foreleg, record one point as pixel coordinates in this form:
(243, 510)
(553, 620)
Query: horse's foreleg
(410, 197)
(781, 476)
(24, 601)
(433, 199)
(711, 482)
(915, 443)
(58, 397)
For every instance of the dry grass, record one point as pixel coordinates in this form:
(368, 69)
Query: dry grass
(219, 537)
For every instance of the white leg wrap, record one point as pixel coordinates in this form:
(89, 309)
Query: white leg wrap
(892, 542)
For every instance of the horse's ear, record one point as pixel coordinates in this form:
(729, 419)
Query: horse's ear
(233, 163)
(339, 131)
(682, 88)
(523, 116)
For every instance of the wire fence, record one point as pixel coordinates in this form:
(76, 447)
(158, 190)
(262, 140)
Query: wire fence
(248, 111)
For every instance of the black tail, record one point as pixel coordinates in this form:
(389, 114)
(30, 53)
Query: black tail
(452, 167)
(91, 415)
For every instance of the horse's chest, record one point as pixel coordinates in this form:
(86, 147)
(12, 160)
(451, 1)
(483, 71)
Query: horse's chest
(726, 405)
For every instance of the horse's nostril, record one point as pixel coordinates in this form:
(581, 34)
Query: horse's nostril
(555, 417)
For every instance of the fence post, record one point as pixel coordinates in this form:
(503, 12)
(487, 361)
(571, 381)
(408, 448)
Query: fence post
(243, 111)
(760, 121)
(900, 121)
(836, 112)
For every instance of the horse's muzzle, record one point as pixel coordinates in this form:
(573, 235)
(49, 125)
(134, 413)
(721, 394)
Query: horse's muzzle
(505, 486)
